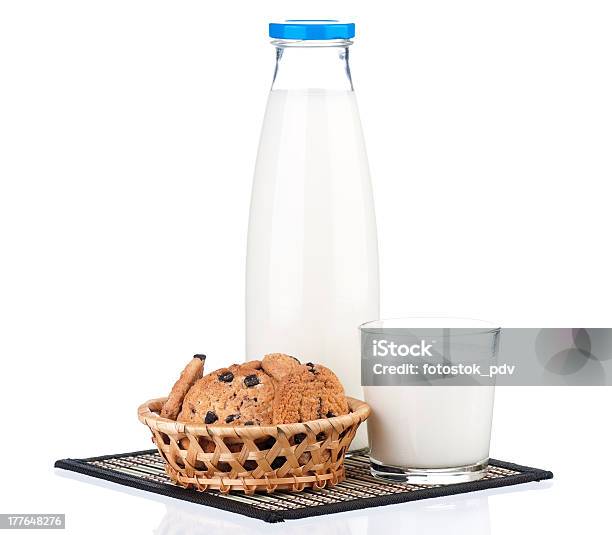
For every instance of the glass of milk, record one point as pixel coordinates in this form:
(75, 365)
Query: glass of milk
(429, 429)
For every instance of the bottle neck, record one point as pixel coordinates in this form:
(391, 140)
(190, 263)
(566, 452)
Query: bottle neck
(312, 65)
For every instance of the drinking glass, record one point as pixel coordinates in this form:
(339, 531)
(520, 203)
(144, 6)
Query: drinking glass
(429, 428)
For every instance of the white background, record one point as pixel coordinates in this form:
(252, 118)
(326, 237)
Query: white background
(128, 133)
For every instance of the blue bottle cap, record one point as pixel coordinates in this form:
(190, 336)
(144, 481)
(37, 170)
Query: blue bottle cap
(312, 30)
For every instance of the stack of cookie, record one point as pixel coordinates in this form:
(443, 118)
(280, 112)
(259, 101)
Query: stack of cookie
(276, 390)
(263, 425)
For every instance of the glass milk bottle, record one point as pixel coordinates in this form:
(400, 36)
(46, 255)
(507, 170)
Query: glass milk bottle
(312, 259)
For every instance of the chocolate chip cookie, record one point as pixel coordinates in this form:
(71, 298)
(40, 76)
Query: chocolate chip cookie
(279, 365)
(308, 392)
(278, 389)
(239, 395)
(192, 372)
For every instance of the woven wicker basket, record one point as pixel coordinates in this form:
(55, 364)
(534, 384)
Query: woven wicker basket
(254, 458)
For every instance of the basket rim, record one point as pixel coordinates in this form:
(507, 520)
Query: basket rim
(360, 411)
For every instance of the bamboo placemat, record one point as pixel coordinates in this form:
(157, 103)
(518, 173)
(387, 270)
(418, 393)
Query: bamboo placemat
(145, 470)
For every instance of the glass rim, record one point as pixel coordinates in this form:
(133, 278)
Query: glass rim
(311, 43)
(465, 326)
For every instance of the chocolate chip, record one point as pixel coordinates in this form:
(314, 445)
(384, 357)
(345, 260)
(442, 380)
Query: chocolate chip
(296, 360)
(330, 414)
(310, 364)
(201, 357)
(278, 462)
(251, 380)
(226, 377)
(210, 417)
(299, 438)
(229, 419)
(250, 422)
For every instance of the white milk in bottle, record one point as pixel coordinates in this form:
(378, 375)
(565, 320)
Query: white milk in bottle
(312, 259)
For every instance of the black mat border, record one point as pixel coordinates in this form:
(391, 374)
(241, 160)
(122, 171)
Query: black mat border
(526, 475)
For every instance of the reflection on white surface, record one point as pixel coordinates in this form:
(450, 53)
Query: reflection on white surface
(187, 519)
(460, 514)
